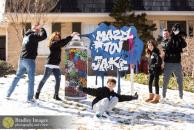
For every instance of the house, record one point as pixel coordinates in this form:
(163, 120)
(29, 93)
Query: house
(83, 16)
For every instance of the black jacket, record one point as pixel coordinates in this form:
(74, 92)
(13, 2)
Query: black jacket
(173, 49)
(104, 92)
(155, 61)
(164, 44)
(30, 43)
(55, 51)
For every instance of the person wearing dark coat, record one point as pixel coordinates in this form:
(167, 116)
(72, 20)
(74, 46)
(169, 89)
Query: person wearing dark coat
(54, 59)
(27, 59)
(105, 98)
(173, 48)
(155, 62)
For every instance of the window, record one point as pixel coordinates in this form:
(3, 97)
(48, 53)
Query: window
(27, 26)
(94, 5)
(162, 26)
(190, 29)
(163, 5)
(76, 27)
(43, 49)
(56, 27)
(2, 48)
(86, 29)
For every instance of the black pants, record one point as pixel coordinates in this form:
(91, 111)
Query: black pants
(47, 73)
(154, 77)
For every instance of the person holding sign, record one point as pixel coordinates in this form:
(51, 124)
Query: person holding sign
(54, 59)
(106, 99)
(155, 62)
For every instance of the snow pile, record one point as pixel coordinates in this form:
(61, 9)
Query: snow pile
(171, 114)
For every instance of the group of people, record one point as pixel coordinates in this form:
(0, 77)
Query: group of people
(28, 56)
(166, 57)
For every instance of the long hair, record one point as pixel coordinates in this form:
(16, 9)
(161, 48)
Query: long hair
(52, 37)
(149, 52)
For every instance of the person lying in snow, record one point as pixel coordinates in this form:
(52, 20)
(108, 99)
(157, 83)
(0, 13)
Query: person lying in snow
(106, 99)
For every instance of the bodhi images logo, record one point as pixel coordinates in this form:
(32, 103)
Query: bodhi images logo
(7, 122)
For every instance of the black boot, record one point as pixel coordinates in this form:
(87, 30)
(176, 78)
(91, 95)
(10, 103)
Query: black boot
(37, 95)
(56, 97)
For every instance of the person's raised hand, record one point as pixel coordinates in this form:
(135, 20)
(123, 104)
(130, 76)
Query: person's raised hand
(74, 34)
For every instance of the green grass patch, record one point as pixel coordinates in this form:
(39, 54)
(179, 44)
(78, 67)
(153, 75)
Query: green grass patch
(188, 82)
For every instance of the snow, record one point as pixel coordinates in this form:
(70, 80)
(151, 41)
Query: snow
(171, 113)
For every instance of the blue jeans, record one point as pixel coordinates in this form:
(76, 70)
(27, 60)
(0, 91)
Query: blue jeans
(47, 73)
(25, 65)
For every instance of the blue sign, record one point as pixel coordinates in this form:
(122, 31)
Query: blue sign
(107, 48)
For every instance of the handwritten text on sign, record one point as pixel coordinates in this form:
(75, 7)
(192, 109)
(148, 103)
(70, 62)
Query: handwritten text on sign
(107, 50)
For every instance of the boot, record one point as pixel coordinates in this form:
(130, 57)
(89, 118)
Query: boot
(156, 99)
(37, 95)
(151, 96)
(56, 97)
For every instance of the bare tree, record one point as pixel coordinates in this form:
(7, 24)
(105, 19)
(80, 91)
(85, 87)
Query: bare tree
(20, 12)
(187, 58)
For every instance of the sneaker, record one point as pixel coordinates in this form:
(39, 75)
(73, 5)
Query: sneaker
(37, 95)
(98, 115)
(163, 100)
(179, 100)
(31, 101)
(106, 115)
(163, 96)
(7, 97)
(107, 112)
(56, 97)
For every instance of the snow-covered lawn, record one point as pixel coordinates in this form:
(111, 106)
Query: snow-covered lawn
(171, 114)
